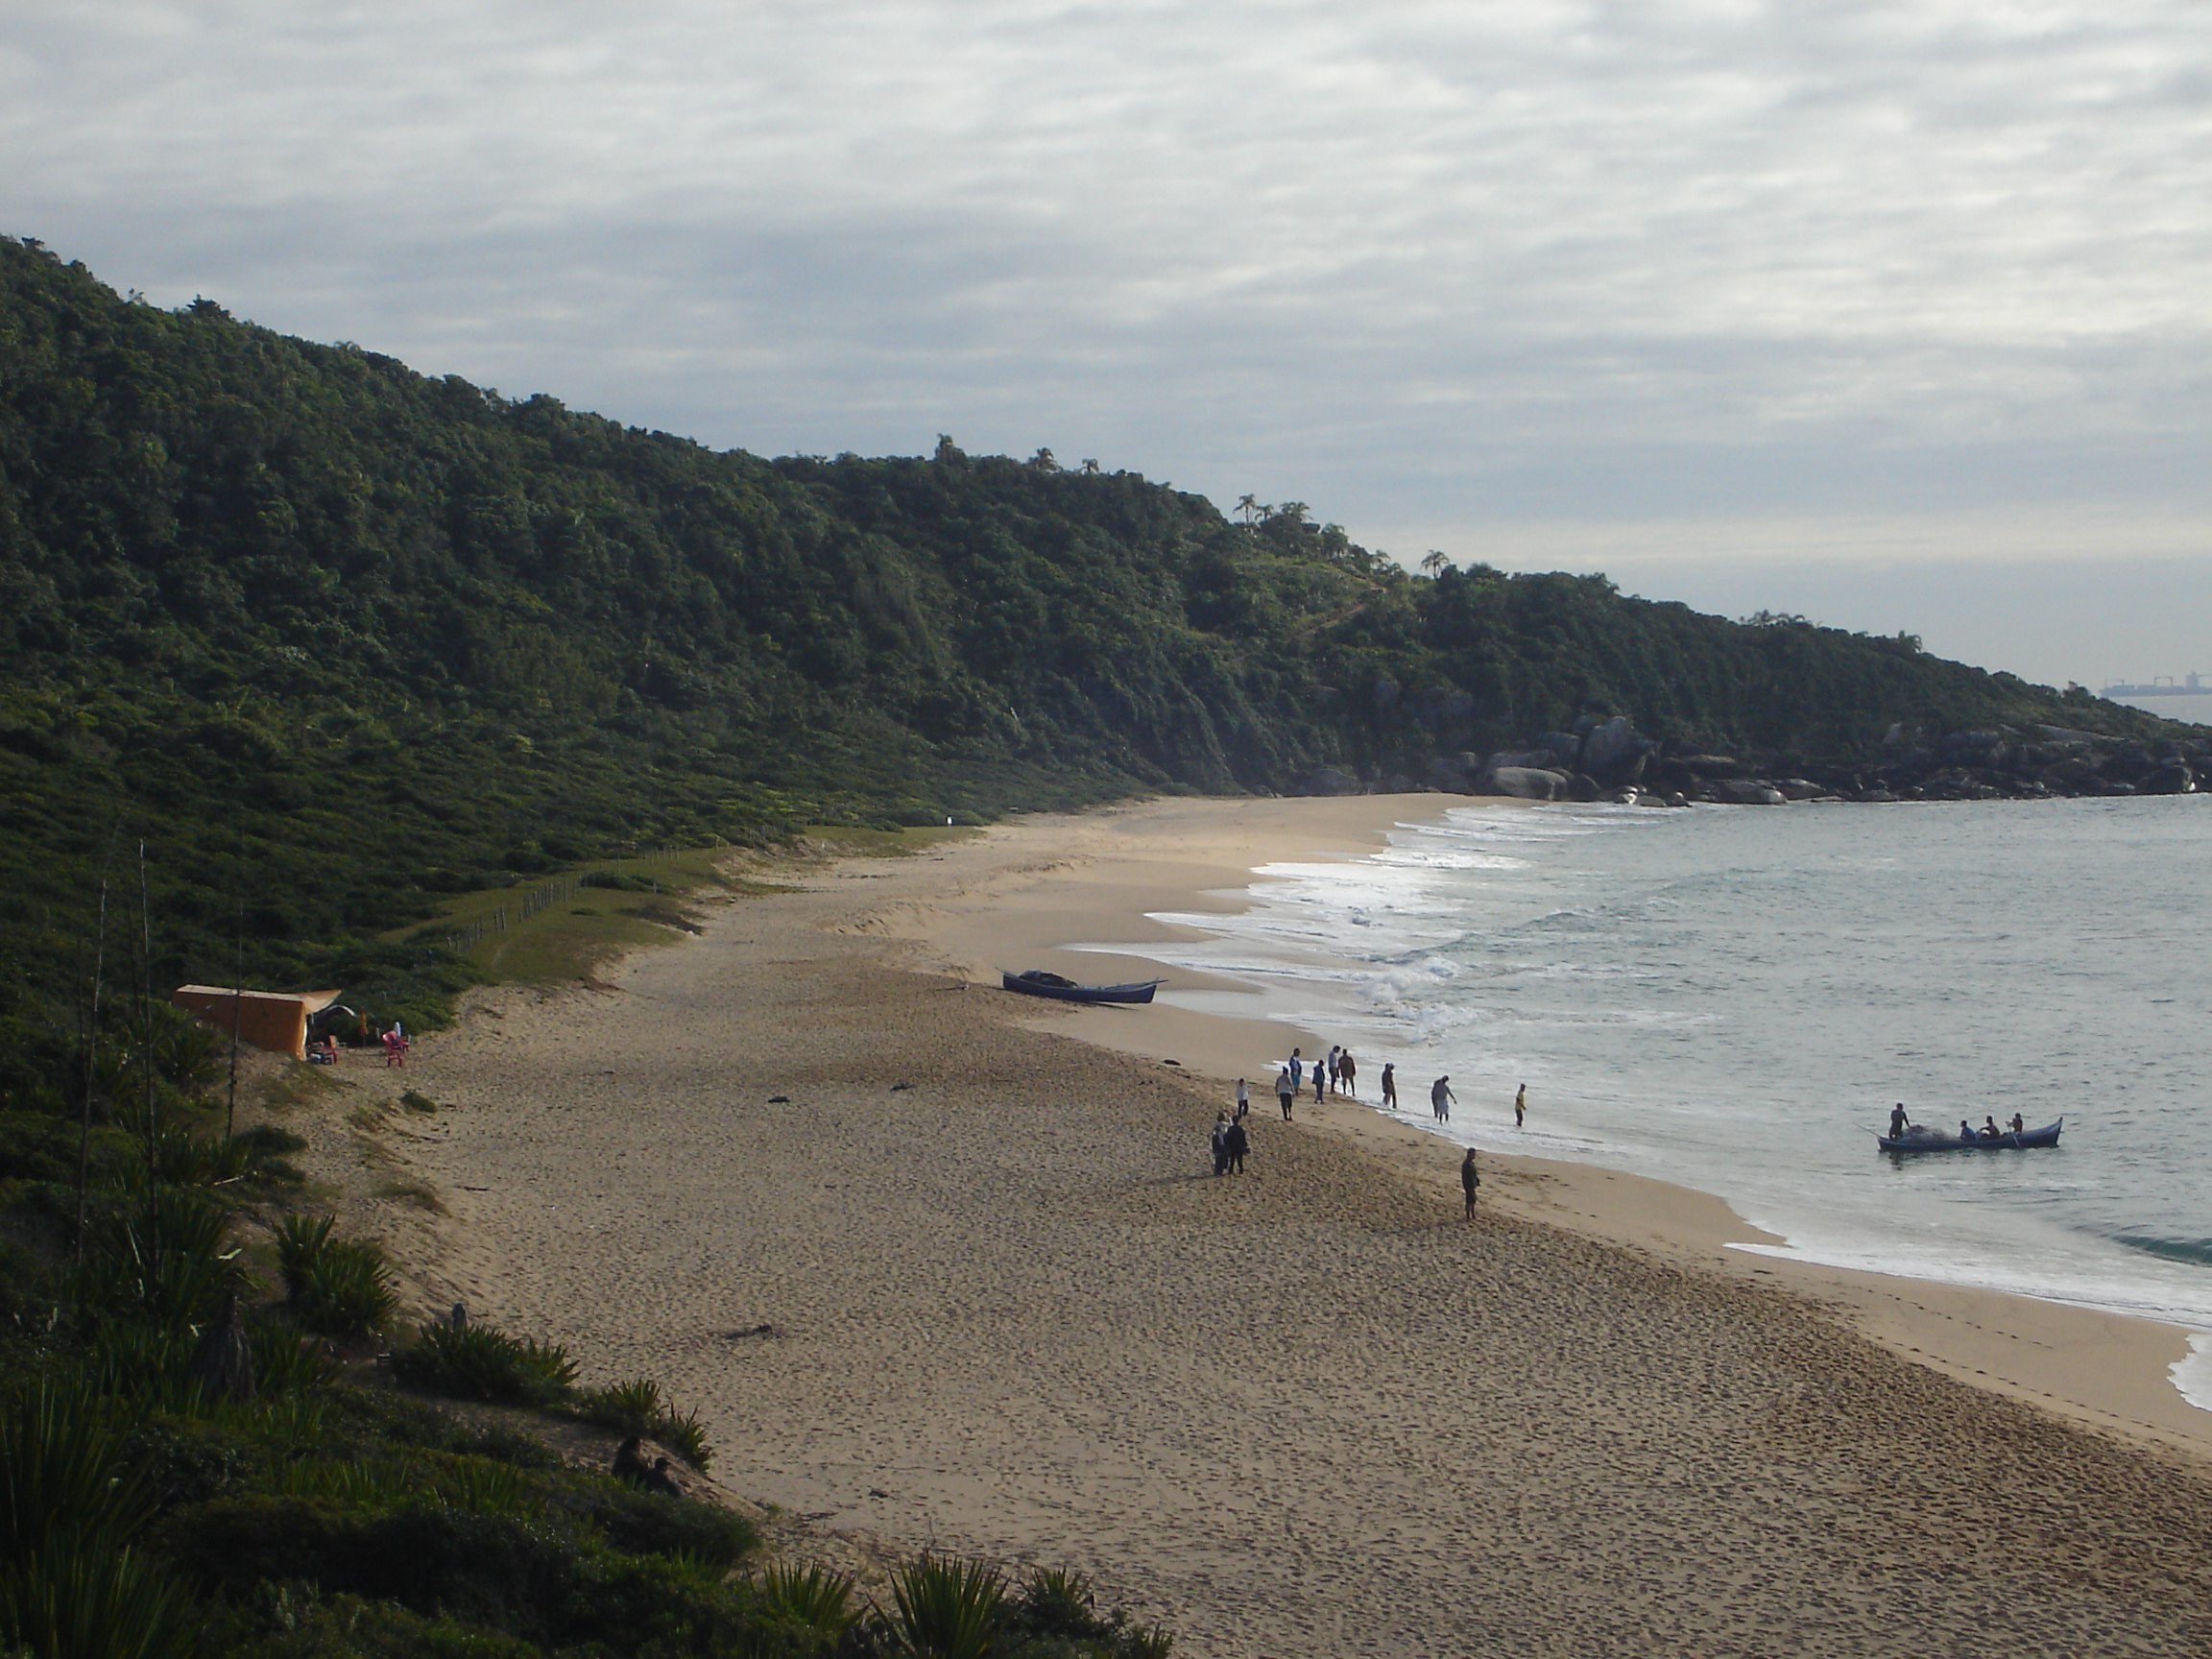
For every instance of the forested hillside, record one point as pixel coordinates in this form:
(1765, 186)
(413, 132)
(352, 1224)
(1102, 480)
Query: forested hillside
(333, 637)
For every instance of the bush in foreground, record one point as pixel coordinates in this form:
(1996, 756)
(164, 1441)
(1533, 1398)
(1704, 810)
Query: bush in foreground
(478, 1363)
(337, 1286)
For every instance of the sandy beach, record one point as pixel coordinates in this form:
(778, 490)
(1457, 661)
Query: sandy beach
(941, 1267)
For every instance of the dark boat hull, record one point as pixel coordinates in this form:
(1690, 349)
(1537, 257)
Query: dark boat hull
(1072, 993)
(2026, 1138)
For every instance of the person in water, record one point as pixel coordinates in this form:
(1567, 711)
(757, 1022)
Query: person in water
(1389, 1086)
(1898, 1121)
(1441, 1100)
(1520, 1105)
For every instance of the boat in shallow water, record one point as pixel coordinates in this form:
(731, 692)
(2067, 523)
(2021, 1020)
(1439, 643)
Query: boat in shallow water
(1035, 983)
(1935, 1140)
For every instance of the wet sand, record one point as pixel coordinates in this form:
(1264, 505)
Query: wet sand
(1005, 1309)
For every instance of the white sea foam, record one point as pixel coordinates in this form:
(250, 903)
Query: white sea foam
(2192, 1373)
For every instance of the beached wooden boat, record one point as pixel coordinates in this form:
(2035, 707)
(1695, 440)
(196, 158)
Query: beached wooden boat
(1035, 983)
(1929, 1140)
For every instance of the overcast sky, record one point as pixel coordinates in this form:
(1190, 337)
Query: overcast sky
(1895, 316)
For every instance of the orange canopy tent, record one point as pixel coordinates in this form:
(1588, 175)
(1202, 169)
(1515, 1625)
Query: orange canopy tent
(273, 1020)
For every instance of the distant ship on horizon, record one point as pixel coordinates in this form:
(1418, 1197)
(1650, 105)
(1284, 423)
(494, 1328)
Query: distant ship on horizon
(2192, 686)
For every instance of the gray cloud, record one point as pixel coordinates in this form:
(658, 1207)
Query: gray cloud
(1470, 269)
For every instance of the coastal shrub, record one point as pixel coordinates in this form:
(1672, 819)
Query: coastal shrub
(297, 1622)
(504, 1444)
(337, 1286)
(458, 1482)
(638, 1408)
(493, 1569)
(95, 1603)
(813, 1597)
(166, 1259)
(626, 1407)
(536, 1578)
(71, 1499)
(1053, 1601)
(654, 1523)
(265, 1140)
(683, 1435)
(478, 1363)
(287, 1359)
(64, 1477)
(946, 1608)
(182, 1159)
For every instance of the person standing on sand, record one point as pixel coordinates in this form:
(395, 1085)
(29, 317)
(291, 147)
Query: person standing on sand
(1348, 1074)
(1520, 1105)
(1297, 1071)
(1334, 1051)
(1389, 1085)
(1286, 1091)
(1441, 1100)
(1469, 1180)
(1244, 1099)
(1319, 1081)
(1220, 1143)
(1238, 1145)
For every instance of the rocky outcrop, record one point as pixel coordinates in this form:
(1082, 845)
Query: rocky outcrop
(1609, 760)
(1329, 780)
(1525, 783)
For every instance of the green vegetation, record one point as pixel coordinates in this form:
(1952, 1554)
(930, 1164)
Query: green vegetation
(336, 1287)
(189, 1467)
(476, 1362)
(341, 643)
(320, 672)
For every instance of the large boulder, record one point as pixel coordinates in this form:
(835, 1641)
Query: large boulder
(1746, 792)
(1526, 783)
(1541, 758)
(1329, 780)
(1582, 786)
(1565, 747)
(2172, 779)
(1707, 765)
(1609, 747)
(1454, 774)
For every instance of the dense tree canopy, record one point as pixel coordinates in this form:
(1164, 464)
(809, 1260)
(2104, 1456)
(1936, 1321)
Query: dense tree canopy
(334, 635)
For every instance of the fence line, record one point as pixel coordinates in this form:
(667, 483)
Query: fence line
(539, 897)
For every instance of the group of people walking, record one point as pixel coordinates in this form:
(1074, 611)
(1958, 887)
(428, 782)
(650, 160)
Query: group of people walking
(1338, 1073)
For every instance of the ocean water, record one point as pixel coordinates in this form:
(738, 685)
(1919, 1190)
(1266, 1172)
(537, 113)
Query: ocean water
(1732, 997)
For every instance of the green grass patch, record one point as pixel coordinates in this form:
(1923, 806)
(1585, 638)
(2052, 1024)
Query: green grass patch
(570, 924)
(859, 841)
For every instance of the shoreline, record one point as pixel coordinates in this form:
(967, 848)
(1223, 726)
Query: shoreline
(2093, 1365)
(947, 1271)
(2110, 1370)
